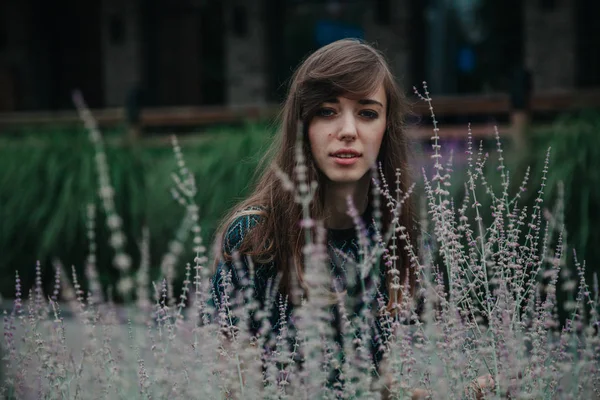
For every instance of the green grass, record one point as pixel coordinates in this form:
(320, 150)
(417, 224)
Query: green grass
(49, 178)
(575, 162)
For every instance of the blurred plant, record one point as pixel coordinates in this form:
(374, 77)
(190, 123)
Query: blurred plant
(575, 142)
(496, 316)
(48, 180)
(121, 260)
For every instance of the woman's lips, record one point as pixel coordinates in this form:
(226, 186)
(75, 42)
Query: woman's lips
(345, 161)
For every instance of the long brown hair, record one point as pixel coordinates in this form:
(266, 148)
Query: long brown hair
(346, 67)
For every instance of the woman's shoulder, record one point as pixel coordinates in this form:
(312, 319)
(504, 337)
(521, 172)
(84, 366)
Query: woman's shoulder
(241, 223)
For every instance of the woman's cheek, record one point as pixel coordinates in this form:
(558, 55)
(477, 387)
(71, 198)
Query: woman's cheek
(373, 152)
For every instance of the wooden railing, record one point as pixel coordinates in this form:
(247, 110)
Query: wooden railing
(466, 105)
(150, 117)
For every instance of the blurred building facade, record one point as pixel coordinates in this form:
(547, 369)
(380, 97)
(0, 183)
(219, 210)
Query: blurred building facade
(240, 52)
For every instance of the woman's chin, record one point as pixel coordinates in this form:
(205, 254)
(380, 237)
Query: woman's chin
(345, 178)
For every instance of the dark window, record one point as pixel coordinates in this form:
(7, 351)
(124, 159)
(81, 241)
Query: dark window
(383, 11)
(547, 5)
(116, 29)
(240, 21)
(587, 31)
(3, 39)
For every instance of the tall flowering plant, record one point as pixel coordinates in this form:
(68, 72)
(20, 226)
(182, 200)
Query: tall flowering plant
(483, 322)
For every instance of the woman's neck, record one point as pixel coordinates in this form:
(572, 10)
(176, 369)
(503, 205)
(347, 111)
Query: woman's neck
(336, 204)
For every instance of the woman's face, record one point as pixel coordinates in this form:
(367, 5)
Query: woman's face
(345, 135)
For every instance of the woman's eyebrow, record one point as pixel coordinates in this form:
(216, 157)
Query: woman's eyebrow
(369, 101)
(363, 102)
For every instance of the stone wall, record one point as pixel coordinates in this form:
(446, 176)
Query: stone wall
(550, 51)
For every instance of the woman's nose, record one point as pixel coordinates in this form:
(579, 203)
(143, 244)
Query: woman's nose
(347, 129)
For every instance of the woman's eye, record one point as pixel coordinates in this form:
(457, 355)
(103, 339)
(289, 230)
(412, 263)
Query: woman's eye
(325, 112)
(369, 114)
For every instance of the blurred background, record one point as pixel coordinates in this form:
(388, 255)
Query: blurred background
(215, 72)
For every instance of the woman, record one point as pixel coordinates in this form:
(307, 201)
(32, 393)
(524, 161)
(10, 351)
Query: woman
(351, 111)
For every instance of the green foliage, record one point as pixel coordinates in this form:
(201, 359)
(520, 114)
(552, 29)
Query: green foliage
(574, 140)
(49, 178)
